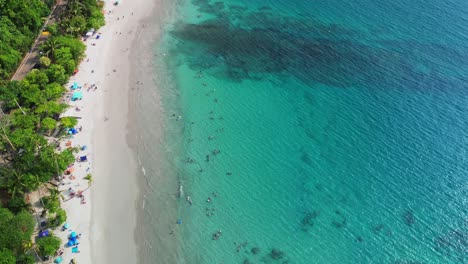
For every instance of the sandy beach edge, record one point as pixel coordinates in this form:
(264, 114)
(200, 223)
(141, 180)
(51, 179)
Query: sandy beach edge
(116, 200)
(142, 78)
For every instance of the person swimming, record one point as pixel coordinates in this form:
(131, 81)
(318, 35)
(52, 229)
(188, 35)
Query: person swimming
(217, 235)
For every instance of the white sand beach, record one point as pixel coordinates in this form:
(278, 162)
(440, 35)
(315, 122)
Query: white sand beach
(107, 219)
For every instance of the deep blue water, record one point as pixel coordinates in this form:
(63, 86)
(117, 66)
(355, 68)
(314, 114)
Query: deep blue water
(320, 131)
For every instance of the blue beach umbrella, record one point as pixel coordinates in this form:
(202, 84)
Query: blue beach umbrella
(58, 260)
(72, 131)
(44, 233)
(75, 250)
(73, 234)
(66, 226)
(77, 96)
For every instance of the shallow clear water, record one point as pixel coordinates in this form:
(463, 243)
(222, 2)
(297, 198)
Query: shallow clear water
(320, 131)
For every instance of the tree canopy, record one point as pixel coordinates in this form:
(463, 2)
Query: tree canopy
(48, 245)
(81, 15)
(7, 256)
(15, 230)
(20, 21)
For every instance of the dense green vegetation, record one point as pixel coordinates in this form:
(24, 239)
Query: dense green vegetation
(48, 245)
(64, 51)
(30, 121)
(20, 21)
(80, 16)
(15, 234)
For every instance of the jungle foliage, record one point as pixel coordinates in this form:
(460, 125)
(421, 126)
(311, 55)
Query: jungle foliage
(20, 21)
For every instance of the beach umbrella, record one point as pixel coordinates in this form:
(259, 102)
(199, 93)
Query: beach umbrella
(75, 250)
(58, 260)
(73, 234)
(77, 96)
(75, 85)
(83, 158)
(70, 243)
(66, 225)
(44, 233)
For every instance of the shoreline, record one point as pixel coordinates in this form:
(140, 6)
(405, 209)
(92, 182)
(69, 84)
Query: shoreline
(157, 208)
(141, 74)
(108, 220)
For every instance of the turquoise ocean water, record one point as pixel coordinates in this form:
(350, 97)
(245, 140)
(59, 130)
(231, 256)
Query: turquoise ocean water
(312, 131)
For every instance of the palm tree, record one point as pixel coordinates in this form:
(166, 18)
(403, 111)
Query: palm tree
(12, 181)
(49, 47)
(90, 179)
(54, 193)
(74, 8)
(18, 183)
(72, 30)
(31, 181)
